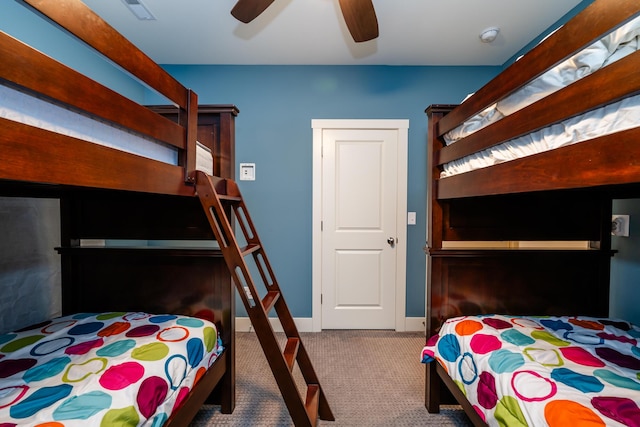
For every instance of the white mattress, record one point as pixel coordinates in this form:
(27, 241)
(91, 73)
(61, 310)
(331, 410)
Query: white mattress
(612, 118)
(617, 44)
(21, 107)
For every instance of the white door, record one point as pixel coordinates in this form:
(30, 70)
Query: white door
(360, 236)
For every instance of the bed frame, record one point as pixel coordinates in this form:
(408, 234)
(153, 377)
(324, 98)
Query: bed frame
(560, 195)
(109, 194)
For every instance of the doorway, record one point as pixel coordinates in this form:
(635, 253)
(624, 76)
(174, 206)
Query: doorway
(359, 226)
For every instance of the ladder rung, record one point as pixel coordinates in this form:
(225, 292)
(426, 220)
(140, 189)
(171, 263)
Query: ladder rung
(229, 198)
(250, 248)
(312, 402)
(269, 300)
(291, 352)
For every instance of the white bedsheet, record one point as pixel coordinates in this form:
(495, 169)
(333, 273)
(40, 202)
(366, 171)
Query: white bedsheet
(616, 117)
(21, 107)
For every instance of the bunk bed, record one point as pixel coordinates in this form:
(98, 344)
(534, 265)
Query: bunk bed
(519, 236)
(121, 171)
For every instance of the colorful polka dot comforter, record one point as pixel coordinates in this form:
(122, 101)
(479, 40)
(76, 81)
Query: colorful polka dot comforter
(543, 371)
(123, 369)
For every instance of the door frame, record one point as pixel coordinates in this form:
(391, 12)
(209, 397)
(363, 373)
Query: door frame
(402, 127)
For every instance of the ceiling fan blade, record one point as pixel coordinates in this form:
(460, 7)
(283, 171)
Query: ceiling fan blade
(248, 10)
(361, 19)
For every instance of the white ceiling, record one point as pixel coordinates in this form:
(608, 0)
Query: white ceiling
(412, 32)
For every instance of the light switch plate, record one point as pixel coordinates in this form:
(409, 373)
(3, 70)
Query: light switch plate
(247, 171)
(411, 218)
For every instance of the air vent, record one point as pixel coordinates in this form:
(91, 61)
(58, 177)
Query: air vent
(139, 10)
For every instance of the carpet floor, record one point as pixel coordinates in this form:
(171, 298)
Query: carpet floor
(370, 378)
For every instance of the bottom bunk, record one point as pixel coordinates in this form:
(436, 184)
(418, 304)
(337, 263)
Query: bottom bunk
(163, 295)
(556, 371)
(109, 368)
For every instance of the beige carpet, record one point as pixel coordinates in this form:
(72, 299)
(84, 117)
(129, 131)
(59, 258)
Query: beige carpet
(370, 378)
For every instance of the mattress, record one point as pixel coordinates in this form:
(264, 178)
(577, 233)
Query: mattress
(124, 369)
(615, 117)
(614, 46)
(543, 371)
(23, 108)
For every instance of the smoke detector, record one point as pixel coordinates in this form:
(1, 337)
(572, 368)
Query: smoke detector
(489, 34)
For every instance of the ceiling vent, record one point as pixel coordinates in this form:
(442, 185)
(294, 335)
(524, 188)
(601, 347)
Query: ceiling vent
(139, 10)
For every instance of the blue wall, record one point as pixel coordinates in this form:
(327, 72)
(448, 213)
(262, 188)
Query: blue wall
(25, 25)
(273, 130)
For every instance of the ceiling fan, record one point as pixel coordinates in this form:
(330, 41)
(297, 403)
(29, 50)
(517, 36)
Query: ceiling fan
(359, 15)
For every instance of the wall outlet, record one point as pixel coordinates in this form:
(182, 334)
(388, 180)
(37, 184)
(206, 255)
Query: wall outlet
(620, 225)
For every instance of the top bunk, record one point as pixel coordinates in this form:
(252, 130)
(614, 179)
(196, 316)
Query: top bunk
(520, 132)
(60, 129)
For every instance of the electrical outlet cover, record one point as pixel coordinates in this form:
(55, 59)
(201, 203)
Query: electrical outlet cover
(620, 225)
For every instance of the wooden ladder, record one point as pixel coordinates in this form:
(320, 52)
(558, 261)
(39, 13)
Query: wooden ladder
(221, 200)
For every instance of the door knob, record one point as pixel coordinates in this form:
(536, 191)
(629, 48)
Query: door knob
(391, 241)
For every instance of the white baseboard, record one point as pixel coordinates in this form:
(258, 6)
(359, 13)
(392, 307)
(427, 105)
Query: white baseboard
(305, 324)
(415, 324)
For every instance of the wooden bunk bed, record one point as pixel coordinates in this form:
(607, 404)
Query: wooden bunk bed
(109, 193)
(561, 195)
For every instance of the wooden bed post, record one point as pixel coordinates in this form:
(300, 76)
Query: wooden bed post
(189, 119)
(434, 241)
(434, 208)
(217, 123)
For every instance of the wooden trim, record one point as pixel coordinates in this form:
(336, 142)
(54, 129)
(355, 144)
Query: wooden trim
(29, 154)
(605, 161)
(199, 395)
(434, 210)
(459, 396)
(225, 166)
(191, 136)
(217, 124)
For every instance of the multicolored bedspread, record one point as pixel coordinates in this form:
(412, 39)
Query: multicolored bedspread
(543, 371)
(123, 369)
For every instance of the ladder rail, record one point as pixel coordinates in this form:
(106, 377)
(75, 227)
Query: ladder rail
(268, 277)
(220, 225)
(304, 410)
(285, 381)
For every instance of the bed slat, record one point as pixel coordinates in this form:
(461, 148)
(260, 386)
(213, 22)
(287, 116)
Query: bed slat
(81, 163)
(605, 160)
